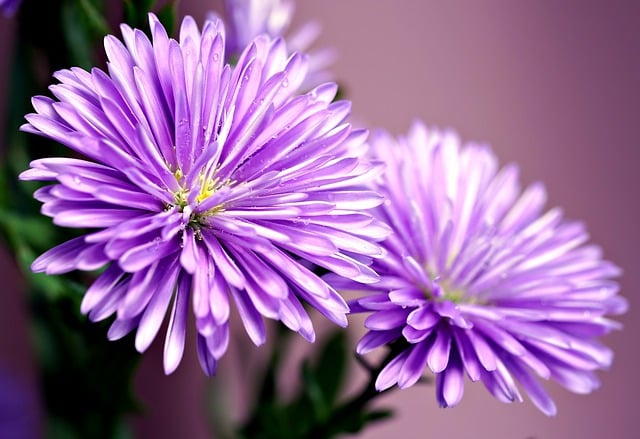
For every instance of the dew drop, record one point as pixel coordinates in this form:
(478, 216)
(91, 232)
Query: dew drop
(285, 83)
(156, 244)
(216, 57)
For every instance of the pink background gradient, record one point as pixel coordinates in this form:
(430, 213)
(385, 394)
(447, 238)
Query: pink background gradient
(552, 85)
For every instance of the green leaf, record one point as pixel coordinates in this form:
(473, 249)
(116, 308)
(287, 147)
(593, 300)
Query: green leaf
(268, 413)
(136, 11)
(52, 286)
(357, 423)
(331, 366)
(144, 5)
(94, 18)
(130, 12)
(86, 379)
(378, 415)
(167, 16)
(313, 392)
(35, 231)
(79, 40)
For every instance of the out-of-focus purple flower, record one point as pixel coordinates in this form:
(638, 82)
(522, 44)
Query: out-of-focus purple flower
(207, 185)
(19, 414)
(250, 18)
(9, 7)
(479, 279)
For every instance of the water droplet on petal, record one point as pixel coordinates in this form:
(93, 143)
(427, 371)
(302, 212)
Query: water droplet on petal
(156, 244)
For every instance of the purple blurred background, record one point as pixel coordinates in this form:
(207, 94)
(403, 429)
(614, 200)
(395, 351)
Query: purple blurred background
(552, 85)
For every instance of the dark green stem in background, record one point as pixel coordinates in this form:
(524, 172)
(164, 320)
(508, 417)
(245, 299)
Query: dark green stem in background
(355, 408)
(315, 412)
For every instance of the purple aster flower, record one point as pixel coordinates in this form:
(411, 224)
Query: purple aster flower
(204, 185)
(249, 18)
(479, 280)
(9, 7)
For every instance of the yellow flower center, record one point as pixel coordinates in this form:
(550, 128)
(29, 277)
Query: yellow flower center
(446, 291)
(208, 185)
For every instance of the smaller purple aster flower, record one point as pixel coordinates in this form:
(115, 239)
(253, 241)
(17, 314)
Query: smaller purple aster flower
(9, 7)
(204, 187)
(478, 279)
(249, 18)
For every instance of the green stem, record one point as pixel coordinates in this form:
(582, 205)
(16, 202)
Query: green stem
(355, 405)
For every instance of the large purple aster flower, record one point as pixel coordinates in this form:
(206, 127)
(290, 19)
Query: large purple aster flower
(249, 18)
(204, 186)
(478, 279)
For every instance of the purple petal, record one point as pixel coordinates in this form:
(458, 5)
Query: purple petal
(251, 319)
(145, 254)
(374, 339)
(388, 376)
(156, 310)
(121, 327)
(174, 342)
(218, 341)
(386, 320)
(439, 352)
(450, 384)
(61, 258)
(533, 388)
(413, 335)
(423, 318)
(482, 349)
(414, 365)
(101, 287)
(219, 299)
(189, 253)
(207, 362)
(226, 265)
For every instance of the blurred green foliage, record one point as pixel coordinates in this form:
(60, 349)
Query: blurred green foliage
(317, 410)
(85, 379)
